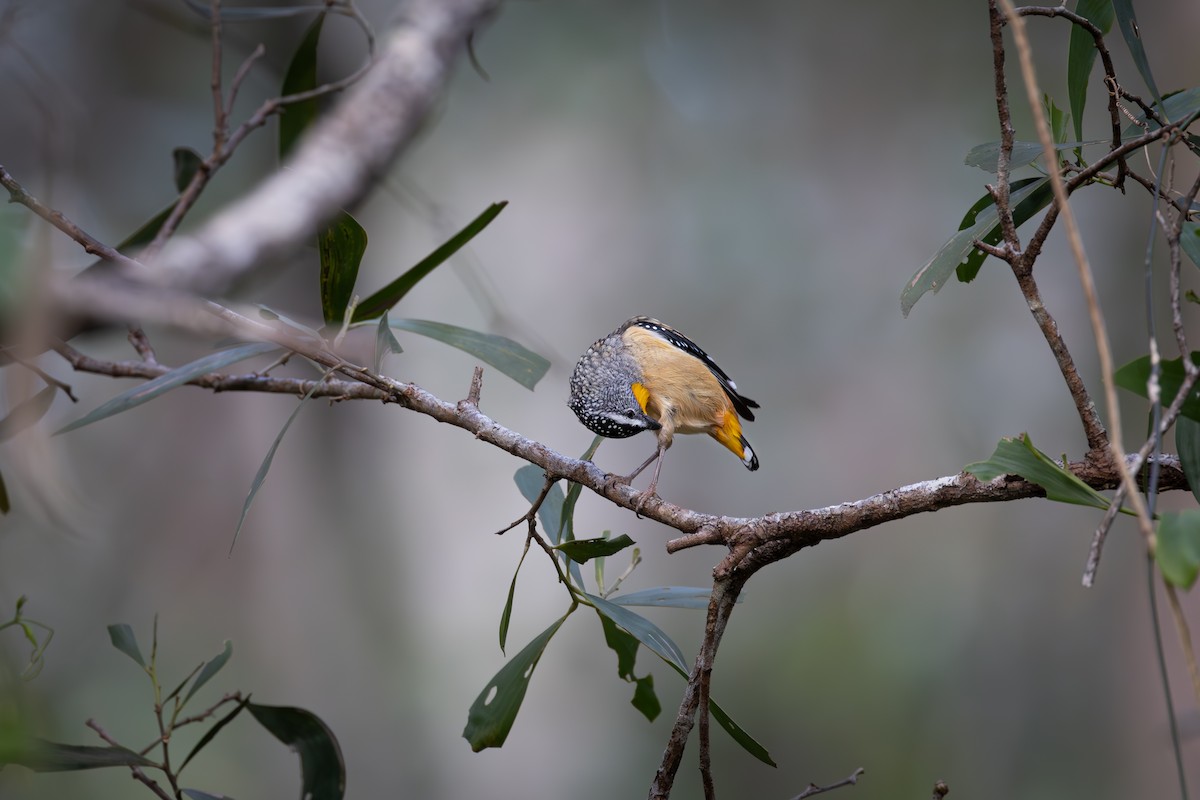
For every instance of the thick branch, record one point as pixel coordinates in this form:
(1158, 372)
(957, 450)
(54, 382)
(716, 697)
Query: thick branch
(338, 163)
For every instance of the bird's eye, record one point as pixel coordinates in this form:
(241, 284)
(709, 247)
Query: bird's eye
(632, 412)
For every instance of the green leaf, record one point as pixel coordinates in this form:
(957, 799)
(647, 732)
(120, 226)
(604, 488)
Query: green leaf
(323, 773)
(492, 714)
(265, 466)
(196, 794)
(1187, 439)
(1019, 457)
(643, 630)
(667, 597)
(986, 156)
(506, 614)
(40, 755)
(391, 294)
(583, 550)
(625, 646)
(1026, 198)
(341, 247)
(644, 698)
(5, 506)
(1058, 122)
(661, 645)
(143, 235)
(1178, 547)
(1127, 22)
(187, 164)
(1189, 241)
(171, 380)
(27, 412)
(523, 366)
(211, 668)
(301, 76)
(385, 341)
(1081, 55)
(1135, 376)
(212, 732)
(124, 640)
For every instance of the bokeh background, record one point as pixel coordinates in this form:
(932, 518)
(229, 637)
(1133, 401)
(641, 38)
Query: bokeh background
(765, 176)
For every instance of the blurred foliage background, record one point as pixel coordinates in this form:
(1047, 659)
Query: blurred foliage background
(764, 176)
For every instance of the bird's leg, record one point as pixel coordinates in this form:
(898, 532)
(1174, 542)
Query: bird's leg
(652, 489)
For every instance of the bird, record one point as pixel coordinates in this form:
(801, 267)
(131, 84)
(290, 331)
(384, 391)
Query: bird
(647, 376)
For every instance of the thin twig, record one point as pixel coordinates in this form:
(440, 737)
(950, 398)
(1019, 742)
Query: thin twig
(90, 244)
(1099, 332)
(138, 774)
(813, 789)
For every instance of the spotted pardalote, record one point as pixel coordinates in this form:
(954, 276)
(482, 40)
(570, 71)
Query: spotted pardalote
(647, 376)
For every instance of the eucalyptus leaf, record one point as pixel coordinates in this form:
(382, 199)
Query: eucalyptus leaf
(123, 639)
(530, 479)
(583, 550)
(1187, 439)
(506, 614)
(667, 597)
(388, 296)
(265, 466)
(984, 225)
(661, 645)
(301, 76)
(491, 716)
(187, 164)
(171, 380)
(1081, 55)
(40, 755)
(211, 668)
(1135, 377)
(385, 342)
(1127, 22)
(196, 794)
(522, 365)
(341, 247)
(625, 646)
(1189, 241)
(322, 770)
(1019, 457)
(1178, 547)
(27, 412)
(213, 730)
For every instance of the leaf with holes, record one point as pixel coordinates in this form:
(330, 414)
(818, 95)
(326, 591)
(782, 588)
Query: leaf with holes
(492, 714)
(625, 646)
(661, 645)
